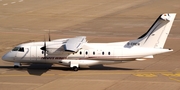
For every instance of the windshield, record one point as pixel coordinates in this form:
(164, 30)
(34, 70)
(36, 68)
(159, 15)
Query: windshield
(18, 49)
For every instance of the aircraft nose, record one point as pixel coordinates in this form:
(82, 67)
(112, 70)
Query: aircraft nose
(7, 57)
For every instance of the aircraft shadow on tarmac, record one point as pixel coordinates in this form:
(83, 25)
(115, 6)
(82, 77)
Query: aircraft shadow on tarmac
(39, 69)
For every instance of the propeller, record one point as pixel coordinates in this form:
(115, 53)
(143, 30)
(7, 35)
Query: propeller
(44, 47)
(49, 36)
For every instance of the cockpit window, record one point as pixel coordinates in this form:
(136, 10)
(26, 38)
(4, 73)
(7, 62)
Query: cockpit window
(21, 49)
(16, 49)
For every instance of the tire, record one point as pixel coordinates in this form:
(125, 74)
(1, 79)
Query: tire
(75, 68)
(16, 66)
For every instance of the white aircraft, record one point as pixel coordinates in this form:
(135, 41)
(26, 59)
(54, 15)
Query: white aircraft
(76, 52)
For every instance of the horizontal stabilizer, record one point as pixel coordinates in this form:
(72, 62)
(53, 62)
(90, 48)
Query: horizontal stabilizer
(144, 58)
(151, 56)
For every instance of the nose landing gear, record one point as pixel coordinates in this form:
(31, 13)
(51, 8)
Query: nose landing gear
(17, 65)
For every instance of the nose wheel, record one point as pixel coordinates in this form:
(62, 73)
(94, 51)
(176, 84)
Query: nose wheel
(17, 65)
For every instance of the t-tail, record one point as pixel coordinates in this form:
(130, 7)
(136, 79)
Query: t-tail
(156, 36)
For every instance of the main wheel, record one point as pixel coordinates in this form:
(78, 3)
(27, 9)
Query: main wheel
(75, 68)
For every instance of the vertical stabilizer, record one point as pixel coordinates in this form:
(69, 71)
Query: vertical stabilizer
(156, 36)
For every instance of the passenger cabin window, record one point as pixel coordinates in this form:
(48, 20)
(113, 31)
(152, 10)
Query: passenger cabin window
(102, 53)
(86, 52)
(21, 49)
(93, 53)
(109, 53)
(80, 52)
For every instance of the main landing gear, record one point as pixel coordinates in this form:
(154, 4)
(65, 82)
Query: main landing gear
(75, 68)
(74, 65)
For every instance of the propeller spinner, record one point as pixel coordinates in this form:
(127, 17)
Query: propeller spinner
(44, 48)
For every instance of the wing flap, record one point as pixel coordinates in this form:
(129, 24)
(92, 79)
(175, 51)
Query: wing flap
(74, 44)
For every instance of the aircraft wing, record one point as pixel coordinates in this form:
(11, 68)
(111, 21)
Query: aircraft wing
(74, 44)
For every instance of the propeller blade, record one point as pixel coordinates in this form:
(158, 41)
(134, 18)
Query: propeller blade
(44, 47)
(49, 36)
(45, 54)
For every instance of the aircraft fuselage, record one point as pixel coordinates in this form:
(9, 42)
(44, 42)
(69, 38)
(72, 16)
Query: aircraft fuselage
(91, 54)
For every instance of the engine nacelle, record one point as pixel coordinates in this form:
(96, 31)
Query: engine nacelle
(55, 49)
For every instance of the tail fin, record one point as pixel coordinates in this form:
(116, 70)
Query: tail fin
(156, 36)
